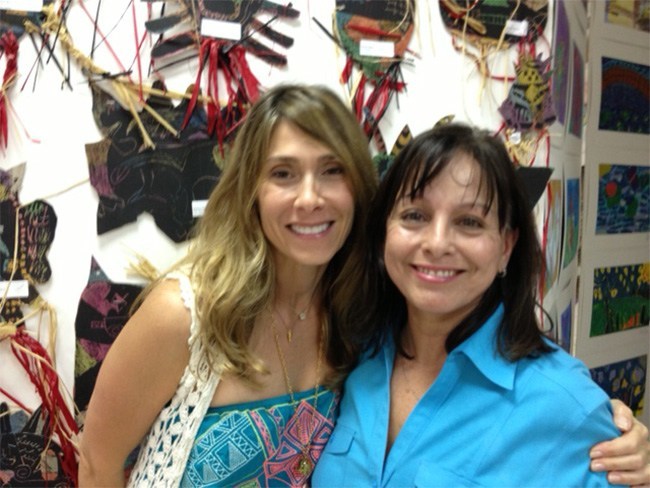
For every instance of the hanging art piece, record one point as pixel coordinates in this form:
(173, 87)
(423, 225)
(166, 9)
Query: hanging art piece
(375, 38)
(481, 28)
(577, 94)
(571, 221)
(12, 28)
(223, 32)
(26, 234)
(623, 199)
(103, 310)
(29, 456)
(625, 96)
(560, 76)
(620, 298)
(624, 380)
(165, 182)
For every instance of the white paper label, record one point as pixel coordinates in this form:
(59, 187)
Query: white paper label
(377, 49)
(517, 28)
(221, 29)
(17, 288)
(22, 5)
(198, 207)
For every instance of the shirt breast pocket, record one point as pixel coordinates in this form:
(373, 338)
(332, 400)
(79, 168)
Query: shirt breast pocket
(340, 441)
(430, 475)
(334, 464)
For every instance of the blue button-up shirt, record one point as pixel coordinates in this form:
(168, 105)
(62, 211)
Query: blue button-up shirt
(485, 421)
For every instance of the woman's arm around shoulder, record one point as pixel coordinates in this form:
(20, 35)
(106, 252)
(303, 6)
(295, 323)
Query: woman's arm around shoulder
(626, 458)
(137, 378)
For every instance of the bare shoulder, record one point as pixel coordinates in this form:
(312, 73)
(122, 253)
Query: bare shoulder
(163, 313)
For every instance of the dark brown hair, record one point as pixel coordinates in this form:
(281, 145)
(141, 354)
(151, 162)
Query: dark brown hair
(416, 166)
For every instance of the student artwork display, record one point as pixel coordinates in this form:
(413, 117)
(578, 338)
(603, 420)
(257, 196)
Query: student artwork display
(572, 221)
(486, 25)
(11, 30)
(620, 298)
(28, 454)
(623, 199)
(103, 310)
(375, 37)
(26, 234)
(566, 327)
(577, 94)
(560, 74)
(624, 380)
(165, 182)
(224, 32)
(625, 96)
(634, 14)
(552, 234)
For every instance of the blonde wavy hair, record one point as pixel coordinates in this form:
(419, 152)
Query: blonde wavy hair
(231, 267)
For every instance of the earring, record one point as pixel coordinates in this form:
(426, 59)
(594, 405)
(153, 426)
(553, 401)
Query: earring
(502, 273)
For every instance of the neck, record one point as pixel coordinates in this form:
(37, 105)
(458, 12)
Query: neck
(426, 344)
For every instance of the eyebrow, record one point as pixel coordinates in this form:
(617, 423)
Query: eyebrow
(326, 158)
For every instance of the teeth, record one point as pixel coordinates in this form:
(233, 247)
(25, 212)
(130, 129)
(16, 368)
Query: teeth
(437, 273)
(313, 229)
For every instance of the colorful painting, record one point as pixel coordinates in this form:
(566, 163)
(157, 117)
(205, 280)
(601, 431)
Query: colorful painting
(625, 97)
(577, 94)
(561, 62)
(553, 234)
(621, 298)
(634, 14)
(572, 220)
(566, 326)
(624, 380)
(623, 199)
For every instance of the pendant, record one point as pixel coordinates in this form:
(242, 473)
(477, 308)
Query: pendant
(304, 465)
(289, 335)
(302, 315)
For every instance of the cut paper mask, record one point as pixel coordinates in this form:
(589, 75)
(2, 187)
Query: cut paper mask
(164, 181)
(102, 312)
(364, 30)
(12, 27)
(36, 228)
(529, 104)
(29, 456)
(224, 55)
(490, 22)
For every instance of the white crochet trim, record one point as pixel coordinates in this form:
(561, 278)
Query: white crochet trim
(164, 451)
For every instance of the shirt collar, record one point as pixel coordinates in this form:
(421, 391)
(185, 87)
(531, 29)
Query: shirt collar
(481, 349)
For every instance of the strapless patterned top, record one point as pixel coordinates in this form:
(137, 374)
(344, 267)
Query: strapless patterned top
(269, 442)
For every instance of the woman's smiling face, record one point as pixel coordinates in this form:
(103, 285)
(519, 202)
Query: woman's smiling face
(444, 248)
(305, 200)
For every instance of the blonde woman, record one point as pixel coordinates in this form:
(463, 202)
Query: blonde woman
(278, 246)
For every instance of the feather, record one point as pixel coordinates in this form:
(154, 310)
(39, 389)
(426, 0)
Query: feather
(162, 24)
(280, 10)
(275, 36)
(173, 45)
(261, 51)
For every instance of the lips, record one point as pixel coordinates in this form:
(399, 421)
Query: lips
(310, 229)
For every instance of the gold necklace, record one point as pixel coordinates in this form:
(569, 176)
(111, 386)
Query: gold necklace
(303, 465)
(302, 316)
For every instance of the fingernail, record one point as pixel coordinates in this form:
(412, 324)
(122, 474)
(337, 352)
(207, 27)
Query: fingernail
(597, 466)
(614, 478)
(595, 454)
(624, 424)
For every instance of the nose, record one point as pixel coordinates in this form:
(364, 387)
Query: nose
(308, 193)
(438, 239)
